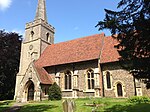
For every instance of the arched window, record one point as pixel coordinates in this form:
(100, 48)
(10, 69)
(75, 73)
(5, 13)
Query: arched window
(90, 79)
(47, 37)
(108, 80)
(68, 79)
(32, 33)
(119, 89)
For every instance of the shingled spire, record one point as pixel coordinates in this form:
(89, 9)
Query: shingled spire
(41, 11)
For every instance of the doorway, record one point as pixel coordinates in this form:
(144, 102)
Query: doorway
(30, 96)
(119, 90)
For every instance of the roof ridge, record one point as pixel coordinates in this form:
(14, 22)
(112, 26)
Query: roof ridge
(102, 34)
(76, 50)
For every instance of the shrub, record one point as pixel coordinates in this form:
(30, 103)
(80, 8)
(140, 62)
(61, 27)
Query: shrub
(55, 92)
(139, 99)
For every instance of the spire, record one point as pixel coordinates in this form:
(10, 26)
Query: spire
(41, 11)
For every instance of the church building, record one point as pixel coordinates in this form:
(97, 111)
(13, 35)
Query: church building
(83, 67)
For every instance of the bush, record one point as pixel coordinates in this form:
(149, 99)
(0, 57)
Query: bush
(55, 92)
(139, 99)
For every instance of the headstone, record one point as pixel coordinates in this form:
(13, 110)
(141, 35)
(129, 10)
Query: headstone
(69, 106)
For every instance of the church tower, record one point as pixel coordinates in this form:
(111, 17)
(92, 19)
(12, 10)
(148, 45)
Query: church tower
(38, 35)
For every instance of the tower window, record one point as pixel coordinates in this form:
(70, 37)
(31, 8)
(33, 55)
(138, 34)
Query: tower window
(47, 37)
(90, 79)
(32, 33)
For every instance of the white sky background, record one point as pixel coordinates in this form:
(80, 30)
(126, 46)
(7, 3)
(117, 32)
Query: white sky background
(4, 4)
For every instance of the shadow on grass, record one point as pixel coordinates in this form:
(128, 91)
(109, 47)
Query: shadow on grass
(5, 102)
(2, 109)
(4, 105)
(143, 107)
(37, 108)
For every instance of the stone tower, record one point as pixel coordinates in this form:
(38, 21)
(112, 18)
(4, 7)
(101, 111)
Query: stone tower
(38, 35)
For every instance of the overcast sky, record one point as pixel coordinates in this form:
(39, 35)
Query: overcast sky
(71, 18)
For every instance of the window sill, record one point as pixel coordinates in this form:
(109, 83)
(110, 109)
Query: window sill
(89, 91)
(67, 90)
(108, 89)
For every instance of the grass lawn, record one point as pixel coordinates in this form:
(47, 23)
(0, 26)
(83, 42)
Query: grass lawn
(5, 104)
(103, 105)
(82, 105)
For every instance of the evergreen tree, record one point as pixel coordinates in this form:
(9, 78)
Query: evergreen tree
(10, 47)
(55, 92)
(131, 23)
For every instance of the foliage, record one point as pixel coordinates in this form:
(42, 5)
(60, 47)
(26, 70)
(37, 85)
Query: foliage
(139, 99)
(55, 92)
(131, 23)
(10, 47)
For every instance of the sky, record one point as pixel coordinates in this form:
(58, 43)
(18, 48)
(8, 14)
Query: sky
(71, 18)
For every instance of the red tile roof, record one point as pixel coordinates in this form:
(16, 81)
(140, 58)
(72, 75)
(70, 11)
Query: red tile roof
(109, 53)
(45, 78)
(81, 49)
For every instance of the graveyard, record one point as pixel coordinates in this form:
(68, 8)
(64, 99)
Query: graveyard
(84, 105)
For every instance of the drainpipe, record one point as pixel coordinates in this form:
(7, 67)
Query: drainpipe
(135, 93)
(100, 70)
(101, 80)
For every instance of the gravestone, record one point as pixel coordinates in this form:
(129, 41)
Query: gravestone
(69, 106)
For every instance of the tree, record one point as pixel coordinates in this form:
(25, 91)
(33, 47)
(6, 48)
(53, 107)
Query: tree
(10, 47)
(55, 92)
(131, 23)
